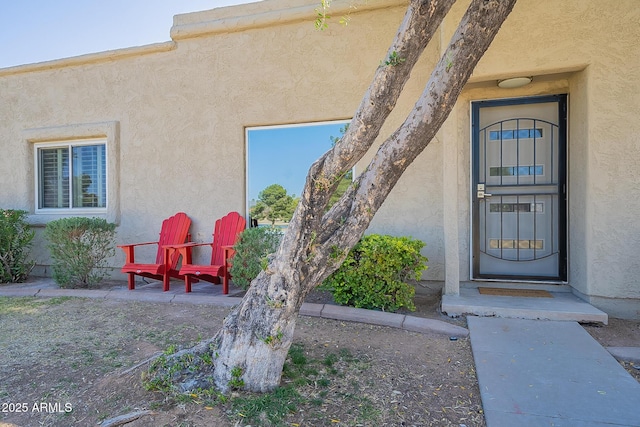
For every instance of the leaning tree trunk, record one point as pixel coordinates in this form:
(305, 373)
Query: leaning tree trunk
(257, 334)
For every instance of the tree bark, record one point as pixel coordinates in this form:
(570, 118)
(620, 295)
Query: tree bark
(257, 334)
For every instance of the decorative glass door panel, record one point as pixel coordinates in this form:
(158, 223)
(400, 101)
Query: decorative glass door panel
(519, 212)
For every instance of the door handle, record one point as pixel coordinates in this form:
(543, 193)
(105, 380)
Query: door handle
(481, 194)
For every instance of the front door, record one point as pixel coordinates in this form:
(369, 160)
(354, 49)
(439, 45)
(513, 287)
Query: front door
(519, 189)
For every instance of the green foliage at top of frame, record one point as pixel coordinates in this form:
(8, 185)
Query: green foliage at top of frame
(322, 16)
(80, 248)
(375, 273)
(252, 249)
(16, 239)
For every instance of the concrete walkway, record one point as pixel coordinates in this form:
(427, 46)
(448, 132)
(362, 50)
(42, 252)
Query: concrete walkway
(549, 373)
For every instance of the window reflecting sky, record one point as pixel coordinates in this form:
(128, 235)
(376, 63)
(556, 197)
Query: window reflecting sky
(283, 154)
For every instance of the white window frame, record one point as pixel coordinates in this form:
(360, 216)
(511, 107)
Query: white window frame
(68, 145)
(106, 131)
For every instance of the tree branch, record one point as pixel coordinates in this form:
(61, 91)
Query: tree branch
(345, 223)
(421, 21)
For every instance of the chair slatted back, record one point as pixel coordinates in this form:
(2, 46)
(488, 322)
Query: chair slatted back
(225, 233)
(174, 231)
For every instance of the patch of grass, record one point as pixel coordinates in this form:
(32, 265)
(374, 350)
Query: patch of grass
(296, 355)
(368, 412)
(112, 356)
(305, 388)
(87, 356)
(162, 338)
(28, 305)
(323, 382)
(267, 409)
(330, 359)
(24, 305)
(156, 405)
(345, 354)
(310, 385)
(171, 349)
(57, 300)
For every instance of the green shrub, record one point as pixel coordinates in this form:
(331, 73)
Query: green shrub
(375, 272)
(80, 248)
(16, 238)
(252, 249)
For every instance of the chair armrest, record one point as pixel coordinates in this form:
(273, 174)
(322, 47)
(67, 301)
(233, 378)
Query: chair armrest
(137, 244)
(129, 250)
(184, 250)
(187, 245)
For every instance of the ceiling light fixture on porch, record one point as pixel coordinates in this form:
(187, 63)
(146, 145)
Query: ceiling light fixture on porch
(514, 82)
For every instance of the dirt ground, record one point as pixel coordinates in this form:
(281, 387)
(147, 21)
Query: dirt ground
(72, 362)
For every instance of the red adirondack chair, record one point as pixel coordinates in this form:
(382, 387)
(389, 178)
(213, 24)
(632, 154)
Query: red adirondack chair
(226, 232)
(175, 230)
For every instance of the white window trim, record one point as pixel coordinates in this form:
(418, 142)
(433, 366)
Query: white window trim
(78, 134)
(66, 145)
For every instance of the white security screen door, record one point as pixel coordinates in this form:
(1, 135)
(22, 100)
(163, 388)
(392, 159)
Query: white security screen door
(519, 189)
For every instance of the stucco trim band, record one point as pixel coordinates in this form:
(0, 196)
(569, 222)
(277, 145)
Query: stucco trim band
(268, 18)
(90, 58)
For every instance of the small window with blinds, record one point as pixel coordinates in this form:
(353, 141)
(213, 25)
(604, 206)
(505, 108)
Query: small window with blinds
(72, 176)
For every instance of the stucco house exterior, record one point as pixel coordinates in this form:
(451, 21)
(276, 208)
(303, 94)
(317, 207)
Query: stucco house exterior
(538, 183)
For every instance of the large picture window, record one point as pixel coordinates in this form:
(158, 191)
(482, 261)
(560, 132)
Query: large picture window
(71, 175)
(278, 159)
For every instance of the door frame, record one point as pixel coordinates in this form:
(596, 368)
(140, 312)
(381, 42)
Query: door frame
(561, 100)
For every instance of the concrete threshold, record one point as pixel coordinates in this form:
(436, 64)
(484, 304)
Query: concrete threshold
(563, 306)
